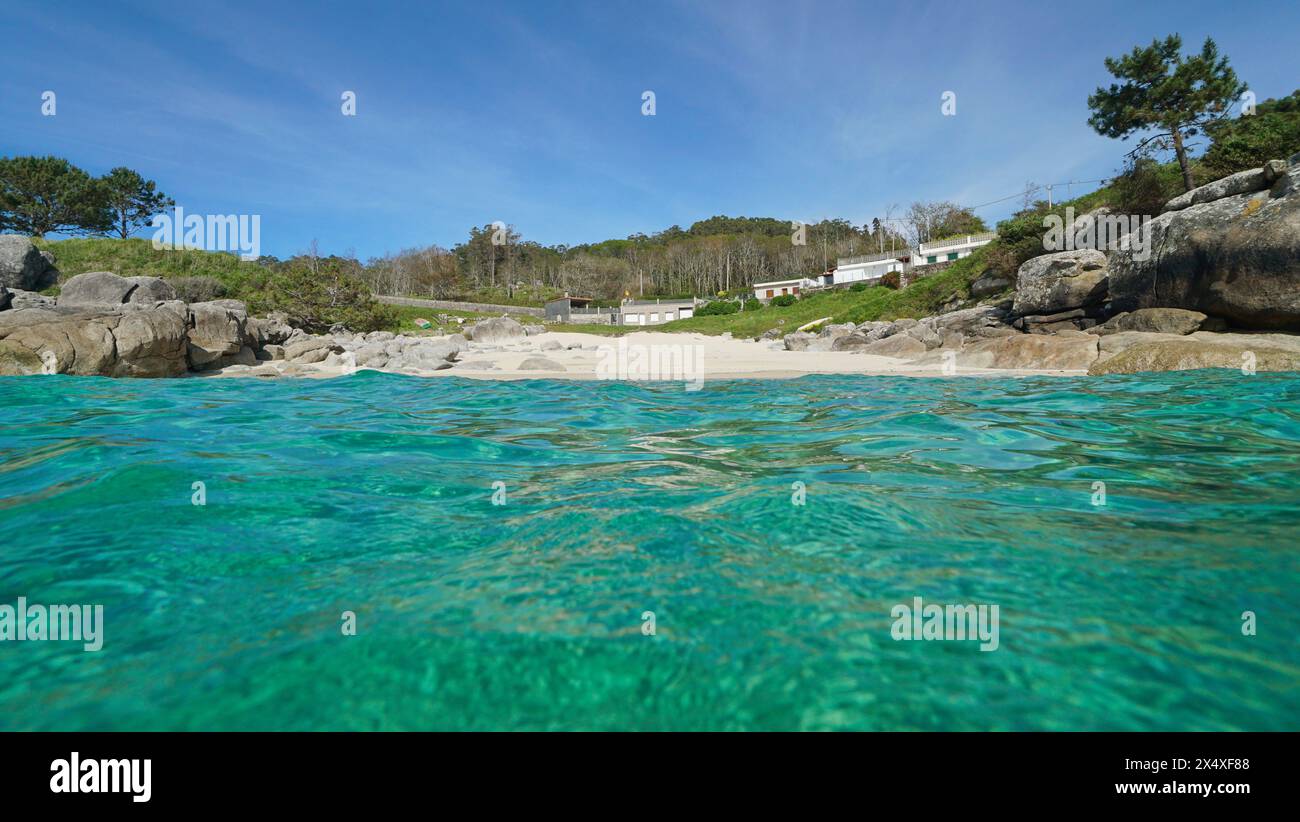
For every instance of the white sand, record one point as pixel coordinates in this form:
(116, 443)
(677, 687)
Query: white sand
(679, 357)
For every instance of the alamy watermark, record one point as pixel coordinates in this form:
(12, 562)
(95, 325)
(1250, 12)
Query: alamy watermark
(952, 622)
(77, 775)
(53, 623)
(1103, 232)
(210, 232)
(656, 361)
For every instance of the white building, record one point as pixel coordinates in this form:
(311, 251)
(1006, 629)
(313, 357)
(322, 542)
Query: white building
(953, 248)
(655, 312)
(870, 268)
(776, 288)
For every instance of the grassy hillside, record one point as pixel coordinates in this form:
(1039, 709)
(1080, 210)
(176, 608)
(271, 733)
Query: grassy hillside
(921, 299)
(138, 257)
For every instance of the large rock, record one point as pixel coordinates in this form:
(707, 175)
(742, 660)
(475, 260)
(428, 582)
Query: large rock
(147, 342)
(831, 331)
(1154, 320)
(1243, 182)
(1031, 352)
(273, 329)
(26, 299)
(217, 333)
(988, 285)
(798, 341)
(875, 329)
(150, 290)
(900, 346)
(1237, 258)
(977, 322)
(104, 290)
(17, 360)
(495, 330)
(851, 342)
(95, 290)
(22, 266)
(1061, 281)
(1200, 351)
(311, 349)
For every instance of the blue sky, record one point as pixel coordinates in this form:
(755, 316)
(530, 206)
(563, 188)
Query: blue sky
(530, 112)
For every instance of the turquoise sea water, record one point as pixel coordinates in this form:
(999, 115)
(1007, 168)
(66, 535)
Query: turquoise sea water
(374, 494)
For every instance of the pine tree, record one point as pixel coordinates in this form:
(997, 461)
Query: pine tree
(1164, 90)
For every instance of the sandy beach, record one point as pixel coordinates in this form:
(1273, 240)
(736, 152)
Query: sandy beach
(641, 356)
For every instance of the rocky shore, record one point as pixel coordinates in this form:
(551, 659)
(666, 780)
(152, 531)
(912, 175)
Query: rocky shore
(1218, 286)
(1215, 285)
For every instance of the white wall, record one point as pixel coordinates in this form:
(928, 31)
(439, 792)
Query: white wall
(866, 271)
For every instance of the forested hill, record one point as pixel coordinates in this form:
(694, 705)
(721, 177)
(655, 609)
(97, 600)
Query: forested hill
(714, 255)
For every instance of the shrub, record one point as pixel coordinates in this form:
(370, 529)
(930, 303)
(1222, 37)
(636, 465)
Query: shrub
(198, 289)
(717, 308)
(316, 294)
(1241, 143)
(783, 301)
(753, 305)
(1145, 186)
(856, 287)
(892, 279)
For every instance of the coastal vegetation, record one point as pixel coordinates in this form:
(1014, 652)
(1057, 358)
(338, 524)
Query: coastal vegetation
(1166, 97)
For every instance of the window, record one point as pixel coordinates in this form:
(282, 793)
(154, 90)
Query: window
(785, 291)
(770, 294)
(668, 316)
(952, 256)
(931, 259)
(654, 318)
(796, 289)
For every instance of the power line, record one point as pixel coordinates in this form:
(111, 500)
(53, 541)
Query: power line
(1045, 186)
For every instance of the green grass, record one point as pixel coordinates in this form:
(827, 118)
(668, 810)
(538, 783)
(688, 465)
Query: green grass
(921, 299)
(407, 315)
(242, 279)
(598, 328)
(138, 257)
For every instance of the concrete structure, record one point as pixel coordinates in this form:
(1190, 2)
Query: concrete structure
(870, 268)
(953, 248)
(655, 312)
(568, 309)
(776, 288)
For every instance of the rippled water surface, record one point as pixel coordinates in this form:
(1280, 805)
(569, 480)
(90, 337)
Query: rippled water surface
(374, 494)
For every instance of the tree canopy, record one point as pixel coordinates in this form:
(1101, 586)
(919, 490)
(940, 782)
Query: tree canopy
(43, 195)
(133, 200)
(1161, 89)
